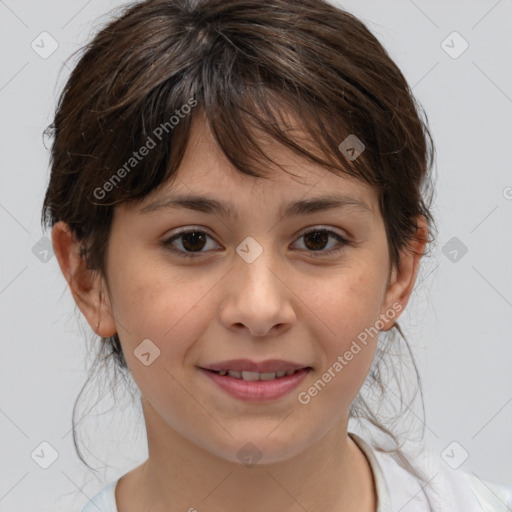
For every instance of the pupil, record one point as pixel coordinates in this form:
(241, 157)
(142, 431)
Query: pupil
(195, 237)
(317, 236)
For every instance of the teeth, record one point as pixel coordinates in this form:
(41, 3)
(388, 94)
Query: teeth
(250, 376)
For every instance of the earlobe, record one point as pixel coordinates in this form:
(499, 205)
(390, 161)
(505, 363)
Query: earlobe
(403, 277)
(85, 285)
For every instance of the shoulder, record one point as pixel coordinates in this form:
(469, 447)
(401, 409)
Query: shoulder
(105, 500)
(492, 496)
(448, 489)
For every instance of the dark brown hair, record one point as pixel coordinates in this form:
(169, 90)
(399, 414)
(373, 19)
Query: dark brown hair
(242, 64)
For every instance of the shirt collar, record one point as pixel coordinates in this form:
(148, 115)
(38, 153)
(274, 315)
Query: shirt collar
(380, 485)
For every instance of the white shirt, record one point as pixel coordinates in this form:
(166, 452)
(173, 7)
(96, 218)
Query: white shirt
(398, 490)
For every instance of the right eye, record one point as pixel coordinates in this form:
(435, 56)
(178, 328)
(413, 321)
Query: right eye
(191, 242)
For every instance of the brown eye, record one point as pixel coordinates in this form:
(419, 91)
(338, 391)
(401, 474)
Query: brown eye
(316, 240)
(192, 242)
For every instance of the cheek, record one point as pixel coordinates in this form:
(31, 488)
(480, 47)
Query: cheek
(348, 309)
(153, 302)
(350, 303)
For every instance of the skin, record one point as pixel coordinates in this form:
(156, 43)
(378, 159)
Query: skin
(290, 303)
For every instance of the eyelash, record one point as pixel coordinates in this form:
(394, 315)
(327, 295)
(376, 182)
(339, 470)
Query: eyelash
(322, 253)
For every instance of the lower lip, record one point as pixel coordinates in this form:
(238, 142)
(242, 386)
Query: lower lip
(257, 390)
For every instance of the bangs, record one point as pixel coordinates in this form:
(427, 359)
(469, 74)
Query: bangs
(241, 114)
(294, 90)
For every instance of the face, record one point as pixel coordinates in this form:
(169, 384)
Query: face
(309, 289)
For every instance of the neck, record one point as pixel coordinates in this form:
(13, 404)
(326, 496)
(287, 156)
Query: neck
(330, 475)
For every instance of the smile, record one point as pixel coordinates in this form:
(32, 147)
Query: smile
(256, 387)
(251, 376)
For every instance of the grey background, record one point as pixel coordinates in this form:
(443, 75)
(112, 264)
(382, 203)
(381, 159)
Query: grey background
(458, 321)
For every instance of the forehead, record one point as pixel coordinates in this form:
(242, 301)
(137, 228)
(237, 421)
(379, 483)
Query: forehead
(206, 171)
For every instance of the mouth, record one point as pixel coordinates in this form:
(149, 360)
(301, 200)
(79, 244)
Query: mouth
(256, 381)
(252, 376)
(247, 369)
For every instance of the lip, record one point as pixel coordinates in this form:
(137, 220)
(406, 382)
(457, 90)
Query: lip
(267, 366)
(257, 391)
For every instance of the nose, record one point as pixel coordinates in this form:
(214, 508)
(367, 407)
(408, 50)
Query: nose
(257, 297)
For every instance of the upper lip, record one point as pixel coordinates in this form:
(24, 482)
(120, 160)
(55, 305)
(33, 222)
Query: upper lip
(268, 366)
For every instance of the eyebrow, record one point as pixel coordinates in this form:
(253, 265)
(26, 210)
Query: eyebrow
(296, 208)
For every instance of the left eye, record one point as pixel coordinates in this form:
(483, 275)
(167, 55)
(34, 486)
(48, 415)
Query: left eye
(193, 241)
(317, 238)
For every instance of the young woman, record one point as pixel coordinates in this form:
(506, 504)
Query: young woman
(238, 202)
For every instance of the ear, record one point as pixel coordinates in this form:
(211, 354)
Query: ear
(87, 286)
(403, 277)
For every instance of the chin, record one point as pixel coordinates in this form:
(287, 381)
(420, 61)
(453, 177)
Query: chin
(257, 448)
